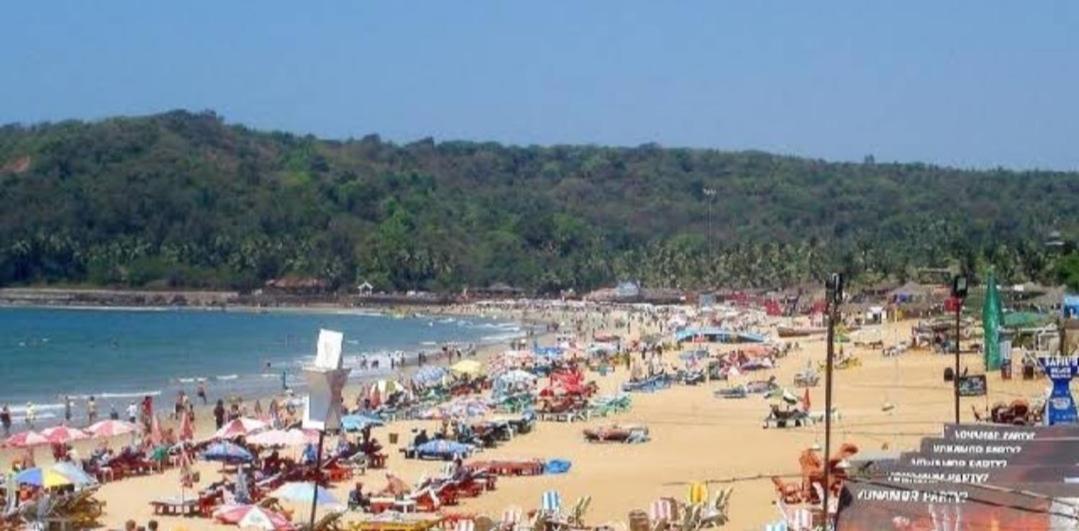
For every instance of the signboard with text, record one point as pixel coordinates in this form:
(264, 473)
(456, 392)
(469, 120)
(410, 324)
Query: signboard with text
(1060, 408)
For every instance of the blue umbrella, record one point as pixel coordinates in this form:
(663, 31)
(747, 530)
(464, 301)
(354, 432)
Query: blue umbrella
(429, 374)
(73, 472)
(226, 452)
(359, 421)
(443, 447)
(303, 492)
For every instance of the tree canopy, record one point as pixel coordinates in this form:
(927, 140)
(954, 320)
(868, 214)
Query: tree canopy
(183, 199)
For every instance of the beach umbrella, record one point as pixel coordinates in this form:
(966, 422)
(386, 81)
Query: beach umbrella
(471, 367)
(26, 439)
(237, 427)
(64, 434)
(251, 516)
(73, 472)
(357, 422)
(155, 431)
(293, 437)
(226, 452)
(304, 492)
(429, 375)
(517, 376)
(110, 428)
(42, 477)
(443, 447)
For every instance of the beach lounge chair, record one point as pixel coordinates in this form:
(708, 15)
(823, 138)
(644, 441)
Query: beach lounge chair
(576, 516)
(511, 518)
(551, 502)
(329, 521)
(662, 513)
(465, 524)
(715, 513)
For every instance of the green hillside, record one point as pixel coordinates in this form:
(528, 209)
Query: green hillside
(184, 200)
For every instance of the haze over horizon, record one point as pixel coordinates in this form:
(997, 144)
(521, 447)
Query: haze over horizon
(964, 84)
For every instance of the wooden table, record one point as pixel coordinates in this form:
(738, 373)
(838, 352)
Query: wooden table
(379, 505)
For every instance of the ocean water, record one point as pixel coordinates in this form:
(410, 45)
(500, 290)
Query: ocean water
(120, 355)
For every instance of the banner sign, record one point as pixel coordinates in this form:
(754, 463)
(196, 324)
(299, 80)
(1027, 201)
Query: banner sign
(1004, 432)
(953, 506)
(1060, 408)
(1040, 473)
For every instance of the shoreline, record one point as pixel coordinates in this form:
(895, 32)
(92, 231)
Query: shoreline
(49, 407)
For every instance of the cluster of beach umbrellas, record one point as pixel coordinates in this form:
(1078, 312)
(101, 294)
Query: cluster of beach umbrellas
(460, 408)
(66, 434)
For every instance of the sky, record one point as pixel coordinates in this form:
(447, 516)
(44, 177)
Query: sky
(969, 83)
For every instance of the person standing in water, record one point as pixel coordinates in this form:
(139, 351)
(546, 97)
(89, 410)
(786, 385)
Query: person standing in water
(67, 409)
(201, 392)
(31, 416)
(91, 410)
(5, 420)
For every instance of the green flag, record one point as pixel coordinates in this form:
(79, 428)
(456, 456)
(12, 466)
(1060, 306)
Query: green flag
(992, 316)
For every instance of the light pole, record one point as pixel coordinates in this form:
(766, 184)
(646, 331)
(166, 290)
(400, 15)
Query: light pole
(834, 296)
(959, 292)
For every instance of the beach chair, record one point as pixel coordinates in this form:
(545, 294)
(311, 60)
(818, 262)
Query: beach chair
(551, 502)
(661, 513)
(511, 518)
(795, 518)
(329, 521)
(715, 514)
(465, 524)
(576, 517)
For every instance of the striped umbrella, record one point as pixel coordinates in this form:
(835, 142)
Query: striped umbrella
(251, 516)
(63, 434)
(26, 439)
(293, 437)
(227, 452)
(242, 426)
(110, 428)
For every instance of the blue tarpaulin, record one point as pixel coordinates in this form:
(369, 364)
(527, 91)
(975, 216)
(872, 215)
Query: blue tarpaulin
(557, 466)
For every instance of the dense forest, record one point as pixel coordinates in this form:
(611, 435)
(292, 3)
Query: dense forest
(183, 199)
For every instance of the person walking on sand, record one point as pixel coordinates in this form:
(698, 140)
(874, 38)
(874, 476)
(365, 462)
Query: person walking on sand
(201, 392)
(219, 414)
(132, 412)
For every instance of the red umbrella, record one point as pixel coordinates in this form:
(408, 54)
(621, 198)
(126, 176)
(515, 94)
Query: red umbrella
(251, 516)
(110, 428)
(26, 439)
(63, 434)
(238, 427)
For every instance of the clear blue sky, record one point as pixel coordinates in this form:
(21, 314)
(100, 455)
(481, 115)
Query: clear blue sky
(967, 83)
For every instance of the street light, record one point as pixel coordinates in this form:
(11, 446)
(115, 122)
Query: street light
(834, 297)
(959, 292)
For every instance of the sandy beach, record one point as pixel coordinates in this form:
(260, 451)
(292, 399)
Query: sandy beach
(695, 437)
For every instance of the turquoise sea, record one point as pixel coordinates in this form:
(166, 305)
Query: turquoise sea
(120, 355)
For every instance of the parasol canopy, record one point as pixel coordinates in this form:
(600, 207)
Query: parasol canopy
(237, 427)
(429, 375)
(443, 447)
(59, 475)
(304, 492)
(26, 439)
(226, 452)
(110, 428)
(357, 422)
(293, 437)
(251, 516)
(64, 434)
(470, 367)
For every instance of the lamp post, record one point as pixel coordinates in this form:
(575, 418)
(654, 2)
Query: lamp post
(834, 296)
(959, 292)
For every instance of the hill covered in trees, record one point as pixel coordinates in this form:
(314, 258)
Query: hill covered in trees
(184, 200)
